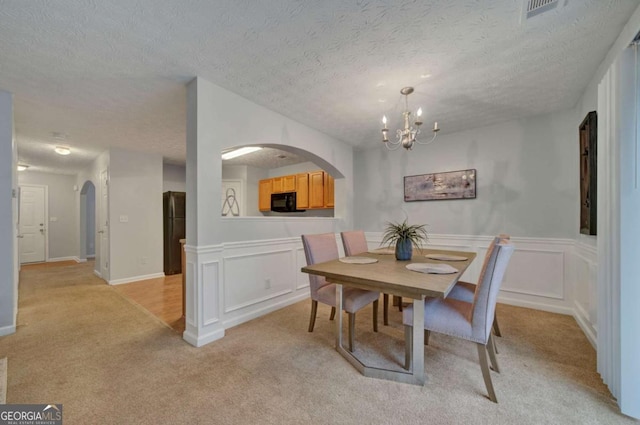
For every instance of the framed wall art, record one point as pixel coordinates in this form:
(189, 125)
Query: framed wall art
(588, 131)
(440, 186)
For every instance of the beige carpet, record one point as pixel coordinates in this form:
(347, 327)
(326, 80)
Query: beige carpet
(81, 344)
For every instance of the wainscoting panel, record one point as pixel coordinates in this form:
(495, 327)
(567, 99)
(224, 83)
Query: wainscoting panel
(256, 277)
(536, 272)
(210, 291)
(585, 281)
(302, 278)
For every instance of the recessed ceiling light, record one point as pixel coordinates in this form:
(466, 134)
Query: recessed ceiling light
(22, 167)
(239, 152)
(382, 100)
(62, 150)
(425, 75)
(380, 84)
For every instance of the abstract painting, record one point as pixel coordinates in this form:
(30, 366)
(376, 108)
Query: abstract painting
(449, 185)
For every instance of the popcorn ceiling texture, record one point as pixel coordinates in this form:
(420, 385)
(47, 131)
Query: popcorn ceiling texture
(113, 73)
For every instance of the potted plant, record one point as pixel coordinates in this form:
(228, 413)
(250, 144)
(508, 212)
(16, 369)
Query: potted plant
(404, 236)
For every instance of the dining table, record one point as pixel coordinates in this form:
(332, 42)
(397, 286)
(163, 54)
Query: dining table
(378, 270)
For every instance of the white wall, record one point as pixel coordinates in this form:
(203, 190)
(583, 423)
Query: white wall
(63, 226)
(527, 180)
(8, 241)
(135, 210)
(174, 178)
(214, 117)
(303, 167)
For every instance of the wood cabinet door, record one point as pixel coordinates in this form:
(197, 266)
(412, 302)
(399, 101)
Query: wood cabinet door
(277, 185)
(316, 189)
(302, 191)
(328, 191)
(289, 183)
(264, 195)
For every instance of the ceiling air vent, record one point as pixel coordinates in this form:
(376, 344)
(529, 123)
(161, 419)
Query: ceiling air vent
(535, 7)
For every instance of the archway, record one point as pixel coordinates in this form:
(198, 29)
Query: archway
(87, 221)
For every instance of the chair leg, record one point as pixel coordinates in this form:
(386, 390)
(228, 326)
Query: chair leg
(352, 329)
(408, 346)
(484, 365)
(333, 313)
(312, 319)
(385, 308)
(496, 328)
(491, 348)
(426, 337)
(375, 315)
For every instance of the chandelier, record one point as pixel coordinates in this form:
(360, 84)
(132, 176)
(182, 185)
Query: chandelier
(407, 136)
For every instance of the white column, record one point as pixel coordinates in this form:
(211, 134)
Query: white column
(8, 209)
(203, 249)
(619, 233)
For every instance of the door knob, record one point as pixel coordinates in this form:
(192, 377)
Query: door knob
(20, 236)
(100, 231)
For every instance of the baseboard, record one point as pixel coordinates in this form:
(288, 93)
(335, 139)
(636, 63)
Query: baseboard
(135, 278)
(97, 273)
(80, 260)
(203, 340)
(265, 310)
(3, 380)
(58, 259)
(581, 318)
(536, 306)
(7, 330)
(91, 257)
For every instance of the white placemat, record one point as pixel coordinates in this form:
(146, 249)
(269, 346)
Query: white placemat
(432, 268)
(358, 260)
(445, 257)
(383, 251)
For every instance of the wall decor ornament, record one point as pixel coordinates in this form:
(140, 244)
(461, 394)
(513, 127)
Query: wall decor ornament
(440, 186)
(588, 132)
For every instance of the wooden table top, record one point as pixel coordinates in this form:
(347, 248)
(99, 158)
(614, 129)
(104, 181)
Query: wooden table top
(392, 277)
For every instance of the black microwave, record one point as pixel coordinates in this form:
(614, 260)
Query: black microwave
(284, 202)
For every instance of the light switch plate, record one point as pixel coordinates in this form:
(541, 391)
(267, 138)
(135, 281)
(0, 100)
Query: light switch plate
(124, 219)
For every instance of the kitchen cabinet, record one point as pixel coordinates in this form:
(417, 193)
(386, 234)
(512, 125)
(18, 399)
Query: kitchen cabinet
(264, 194)
(289, 183)
(316, 189)
(328, 191)
(276, 186)
(302, 191)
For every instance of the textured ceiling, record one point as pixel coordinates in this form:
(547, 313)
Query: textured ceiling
(113, 73)
(266, 158)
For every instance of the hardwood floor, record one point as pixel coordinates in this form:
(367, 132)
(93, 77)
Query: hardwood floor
(162, 297)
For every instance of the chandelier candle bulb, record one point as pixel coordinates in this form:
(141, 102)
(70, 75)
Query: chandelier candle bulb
(435, 126)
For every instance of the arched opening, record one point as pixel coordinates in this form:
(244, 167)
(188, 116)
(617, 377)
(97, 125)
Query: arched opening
(88, 221)
(250, 182)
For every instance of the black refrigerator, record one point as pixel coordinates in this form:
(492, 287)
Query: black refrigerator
(173, 205)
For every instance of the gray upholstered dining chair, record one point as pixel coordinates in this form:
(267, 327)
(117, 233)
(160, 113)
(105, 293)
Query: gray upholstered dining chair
(468, 321)
(354, 243)
(318, 249)
(465, 291)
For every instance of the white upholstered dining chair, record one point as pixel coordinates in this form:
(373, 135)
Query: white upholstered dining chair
(354, 243)
(468, 321)
(318, 249)
(465, 291)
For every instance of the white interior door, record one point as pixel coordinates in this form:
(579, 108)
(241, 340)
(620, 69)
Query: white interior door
(32, 228)
(103, 227)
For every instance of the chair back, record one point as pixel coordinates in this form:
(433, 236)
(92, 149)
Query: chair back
(354, 242)
(318, 249)
(489, 282)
